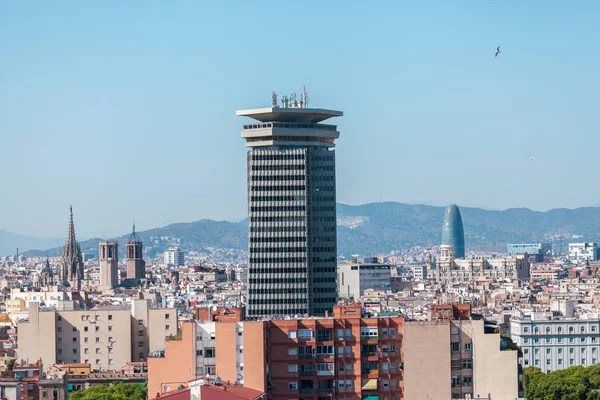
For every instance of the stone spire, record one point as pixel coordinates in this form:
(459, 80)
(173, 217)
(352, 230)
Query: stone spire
(71, 268)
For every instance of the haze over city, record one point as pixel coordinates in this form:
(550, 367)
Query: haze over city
(128, 112)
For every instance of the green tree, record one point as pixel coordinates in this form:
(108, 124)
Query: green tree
(120, 391)
(574, 383)
(10, 363)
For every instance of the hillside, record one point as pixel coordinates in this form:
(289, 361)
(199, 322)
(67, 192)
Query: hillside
(381, 227)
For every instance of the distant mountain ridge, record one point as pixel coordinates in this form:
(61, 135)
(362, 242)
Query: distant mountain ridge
(376, 228)
(10, 242)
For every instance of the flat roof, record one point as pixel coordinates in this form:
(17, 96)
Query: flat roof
(289, 114)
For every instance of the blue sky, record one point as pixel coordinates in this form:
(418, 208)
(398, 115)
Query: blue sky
(127, 111)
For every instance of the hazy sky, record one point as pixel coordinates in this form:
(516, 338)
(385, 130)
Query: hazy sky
(127, 109)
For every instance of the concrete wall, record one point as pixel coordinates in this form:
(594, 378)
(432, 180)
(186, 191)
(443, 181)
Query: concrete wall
(158, 321)
(494, 371)
(178, 365)
(427, 361)
(225, 339)
(32, 345)
(254, 356)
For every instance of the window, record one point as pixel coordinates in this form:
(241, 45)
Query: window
(167, 327)
(340, 333)
(571, 350)
(582, 329)
(97, 340)
(455, 346)
(59, 351)
(74, 329)
(97, 328)
(547, 361)
(292, 351)
(110, 328)
(384, 331)
(467, 380)
(141, 322)
(74, 351)
(293, 385)
(571, 329)
(59, 329)
(525, 329)
(167, 316)
(141, 344)
(559, 351)
(305, 333)
(85, 328)
(292, 367)
(525, 351)
(59, 318)
(292, 334)
(560, 361)
(109, 317)
(85, 339)
(547, 351)
(85, 350)
(210, 352)
(547, 340)
(392, 332)
(97, 351)
(593, 328)
(97, 361)
(74, 339)
(468, 346)
(467, 364)
(110, 362)
(199, 352)
(547, 329)
(348, 383)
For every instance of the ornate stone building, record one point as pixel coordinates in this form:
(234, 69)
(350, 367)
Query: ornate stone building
(70, 272)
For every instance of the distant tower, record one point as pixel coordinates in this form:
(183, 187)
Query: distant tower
(136, 267)
(108, 253)
(452, 232)
(70, 272)
(46, 277)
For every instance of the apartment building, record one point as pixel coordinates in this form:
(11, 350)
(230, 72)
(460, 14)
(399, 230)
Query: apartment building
(581, 252)
(356, 276)
(553, 341)
(106, 337)
(344, 356)
(456, 359)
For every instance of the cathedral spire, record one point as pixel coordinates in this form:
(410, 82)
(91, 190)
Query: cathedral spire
(133, 238)
(71, 269)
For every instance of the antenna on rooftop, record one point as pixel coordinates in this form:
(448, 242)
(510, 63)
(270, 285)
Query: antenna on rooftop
(273, 99)
(304, 97)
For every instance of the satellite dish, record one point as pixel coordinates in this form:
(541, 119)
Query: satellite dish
(166, 388)
(217, 380)
(214, 308)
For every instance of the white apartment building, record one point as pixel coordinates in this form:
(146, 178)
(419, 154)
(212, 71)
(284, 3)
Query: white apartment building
(552, 342)
(174, 257)
(419, 271)
(581, 252)
(355, 277)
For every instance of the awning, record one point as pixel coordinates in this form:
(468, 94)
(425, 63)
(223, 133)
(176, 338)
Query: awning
(369, 384)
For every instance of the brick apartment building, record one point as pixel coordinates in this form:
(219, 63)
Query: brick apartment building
(344, 356)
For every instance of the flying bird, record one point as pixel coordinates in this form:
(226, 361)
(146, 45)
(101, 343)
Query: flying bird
(497, 51)
(532, 158)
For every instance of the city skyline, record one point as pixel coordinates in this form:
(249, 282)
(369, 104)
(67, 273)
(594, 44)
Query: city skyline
(155, 97)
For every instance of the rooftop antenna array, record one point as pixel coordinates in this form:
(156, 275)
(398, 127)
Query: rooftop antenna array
(291, 100)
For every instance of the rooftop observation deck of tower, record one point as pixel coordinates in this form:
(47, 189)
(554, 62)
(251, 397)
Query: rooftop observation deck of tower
(291, 124)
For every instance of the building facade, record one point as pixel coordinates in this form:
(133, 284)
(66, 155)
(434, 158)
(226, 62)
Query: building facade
(449, 270)
(536, 250)
(452, 232)
(355, 277)
(108, 254)
(291, 209)
(581, 252)
(107, 337)
(134, 259)
(552, 342)
(174, 257)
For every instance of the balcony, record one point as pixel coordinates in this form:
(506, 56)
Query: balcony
(307, 373)
(326, 390)
(306, 356)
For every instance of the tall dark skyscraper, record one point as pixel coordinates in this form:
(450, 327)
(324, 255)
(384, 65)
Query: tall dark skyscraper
(452, 232)
(291, 208)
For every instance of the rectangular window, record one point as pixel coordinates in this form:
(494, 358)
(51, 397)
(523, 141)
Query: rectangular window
(305, 333)
(467, 364)
(468, 346)
(167, 327)
(455, 346)
(293, 385)
(467, 380)
(292, 351)
(292, 367)
(340, 333)
(110, 328)
(85, 339)
(109, 317)
(292, 334)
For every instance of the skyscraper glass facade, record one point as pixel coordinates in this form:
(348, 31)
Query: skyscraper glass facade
(452, 232)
